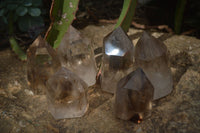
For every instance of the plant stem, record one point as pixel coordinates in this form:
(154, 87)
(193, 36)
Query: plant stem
(10, 24)
(62, 14)
(13, 43)
(180, 7)
(127, 14)
(16, 48)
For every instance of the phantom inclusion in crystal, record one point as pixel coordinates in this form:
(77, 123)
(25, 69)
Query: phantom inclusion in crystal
(152, 56)
(66, 95)
(42, 62)
(118, 52)
(76, 54)
(134, 96)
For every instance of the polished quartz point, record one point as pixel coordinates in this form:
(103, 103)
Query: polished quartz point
(134, 96)
(76, 54)
(42, 62)
(66, 95)
(152, 56)
(118, 52)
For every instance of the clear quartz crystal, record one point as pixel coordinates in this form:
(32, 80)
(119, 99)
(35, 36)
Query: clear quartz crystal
(66, 95)
(134, 96)
(152, 56)
(76, 54)
(42, 62)
(118, 52)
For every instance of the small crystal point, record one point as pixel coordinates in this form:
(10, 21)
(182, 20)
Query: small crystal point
(134, 96)
(149, 48)
(42, 62)
(66, 95)
(152, 56)
(118, 52)
(76, 54)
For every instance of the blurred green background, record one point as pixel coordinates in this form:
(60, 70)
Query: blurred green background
(26, 19)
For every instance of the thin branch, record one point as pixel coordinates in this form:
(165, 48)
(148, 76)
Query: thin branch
(140, 26)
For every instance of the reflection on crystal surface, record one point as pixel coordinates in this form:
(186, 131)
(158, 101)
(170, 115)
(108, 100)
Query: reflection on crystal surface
(77, 55)
(66, 95)
(152, 56)
(117, 59)
(42, 62)
(134, 96)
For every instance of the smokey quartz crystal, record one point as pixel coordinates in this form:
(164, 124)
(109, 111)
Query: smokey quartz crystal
(152, 56)
(134, 96)
(42, 62)
(76, 54)
(66, 95)
(118, 52)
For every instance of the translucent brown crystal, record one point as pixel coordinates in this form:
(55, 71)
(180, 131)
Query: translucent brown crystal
(152, 56)
(134, 96)
(118, 52)
(42, 62)
(66, 95)
(76, 54)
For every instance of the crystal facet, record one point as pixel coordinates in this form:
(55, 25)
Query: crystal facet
(152, 56)
(118, 53)
(42, 62)
(66, 94)
(76, 54)
(134, 96)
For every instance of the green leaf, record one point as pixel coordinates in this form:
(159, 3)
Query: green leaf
(62, 15)
(37, 21)
(15, 17)
(21, 11)
(4, 20)
(37, 3)
(34, 11)
(27, 22)
(27, 3)
(15, 47)
(24, 23)
(127, 14)
(5, 11)
(1, 12)
(12, 6)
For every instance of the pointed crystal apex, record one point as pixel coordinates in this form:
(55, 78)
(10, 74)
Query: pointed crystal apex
(42, 62)
(117, 43)
(76, 54)
(152, 56)
(148, 47)
(66, 95)
(72, 35)
(133, 96)
(118, 52)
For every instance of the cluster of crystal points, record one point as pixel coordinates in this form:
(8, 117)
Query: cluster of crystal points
(152, 56)
(134, 96)
(66, 95)
(118, 52)
(65, 75)
(152, 80)
(65, 90)
(76, 54)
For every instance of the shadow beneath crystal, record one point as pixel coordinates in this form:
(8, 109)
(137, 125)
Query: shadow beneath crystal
(136, 119)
